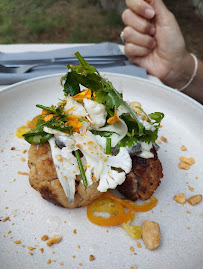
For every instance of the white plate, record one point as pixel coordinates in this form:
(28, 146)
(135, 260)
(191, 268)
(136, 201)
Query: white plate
(31, 216)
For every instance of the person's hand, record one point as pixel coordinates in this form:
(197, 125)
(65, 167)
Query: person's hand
(154, 41)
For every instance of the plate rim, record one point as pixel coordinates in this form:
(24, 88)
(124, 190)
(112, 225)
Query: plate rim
(167, 88)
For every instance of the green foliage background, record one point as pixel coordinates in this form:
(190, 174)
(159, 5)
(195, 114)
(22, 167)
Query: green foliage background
(50, 21)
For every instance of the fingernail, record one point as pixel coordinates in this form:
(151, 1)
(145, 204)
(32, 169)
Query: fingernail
(149, 13)
(152, 30)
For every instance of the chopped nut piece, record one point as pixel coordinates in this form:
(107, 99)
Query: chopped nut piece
(189, 161)
(22, 246)
(136, 106)
(59, 158)
(151, 234)
(49, 261)
(74, 231)
(5, 219)
(132, 248)
(17, 242)
(23, 173)
(54, 240)
(164, 139)
(30, 253)
(183, 165)
(179, 198)
(22, 159)
(61, 263)
(31, 248)
(191, 189)
(41, 250)
(139, 245)
(91, 258)
(44, 237)
(183, 148)
(158, 142)
(13, 148)
(196, 199)
(9, 232)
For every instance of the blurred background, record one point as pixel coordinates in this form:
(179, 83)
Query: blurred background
(86, 21)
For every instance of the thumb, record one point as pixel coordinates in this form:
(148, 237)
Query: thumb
(161, 11)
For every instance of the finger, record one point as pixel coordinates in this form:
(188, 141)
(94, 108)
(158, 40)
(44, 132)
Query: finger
(141, 7)
(136, 60)
(138, 23)
(132, 50)
(134, 37)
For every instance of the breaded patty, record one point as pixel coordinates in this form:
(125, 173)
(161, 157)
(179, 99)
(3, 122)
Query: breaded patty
(43, 178)
(143, 179)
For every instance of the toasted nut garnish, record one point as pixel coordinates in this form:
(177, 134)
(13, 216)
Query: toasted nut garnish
(5, 219)
(183, 165)
(179, 198)
(91, 258)
(164, 139)
(49, 261)
(187, 160)
(183, 148)
(151, 234)
(136, 106)
(54, 240)
(17, 242)
(196, 199)
(44, 237)
(31, 248)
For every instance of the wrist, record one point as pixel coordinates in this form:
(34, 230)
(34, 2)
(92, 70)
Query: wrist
(181, 72)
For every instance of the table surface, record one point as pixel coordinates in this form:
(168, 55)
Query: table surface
(11, 48)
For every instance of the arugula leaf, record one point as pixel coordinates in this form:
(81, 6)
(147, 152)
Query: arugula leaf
(71, 85)
(127, 142)
(157, 116)
(105, 93)
(149, 136)
(103, 133)
(88, 68)
(38, 136)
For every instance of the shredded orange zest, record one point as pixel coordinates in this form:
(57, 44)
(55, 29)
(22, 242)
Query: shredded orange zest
(84, 94)
(131, 205)
(94, 95)
(114, 118)
(115, 210)
(32, 124)
(46, 115)
(69, 109)
(74, 122)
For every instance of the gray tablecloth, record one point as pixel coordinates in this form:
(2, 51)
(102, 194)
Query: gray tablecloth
(106, 48)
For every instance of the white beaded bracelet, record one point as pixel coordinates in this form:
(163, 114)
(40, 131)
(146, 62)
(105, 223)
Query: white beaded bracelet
(193, 75)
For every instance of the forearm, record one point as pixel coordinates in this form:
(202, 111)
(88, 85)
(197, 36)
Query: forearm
(181, 74)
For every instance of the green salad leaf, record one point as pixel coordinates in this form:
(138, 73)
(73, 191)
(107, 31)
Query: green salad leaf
(104, 93)
(157, 116)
